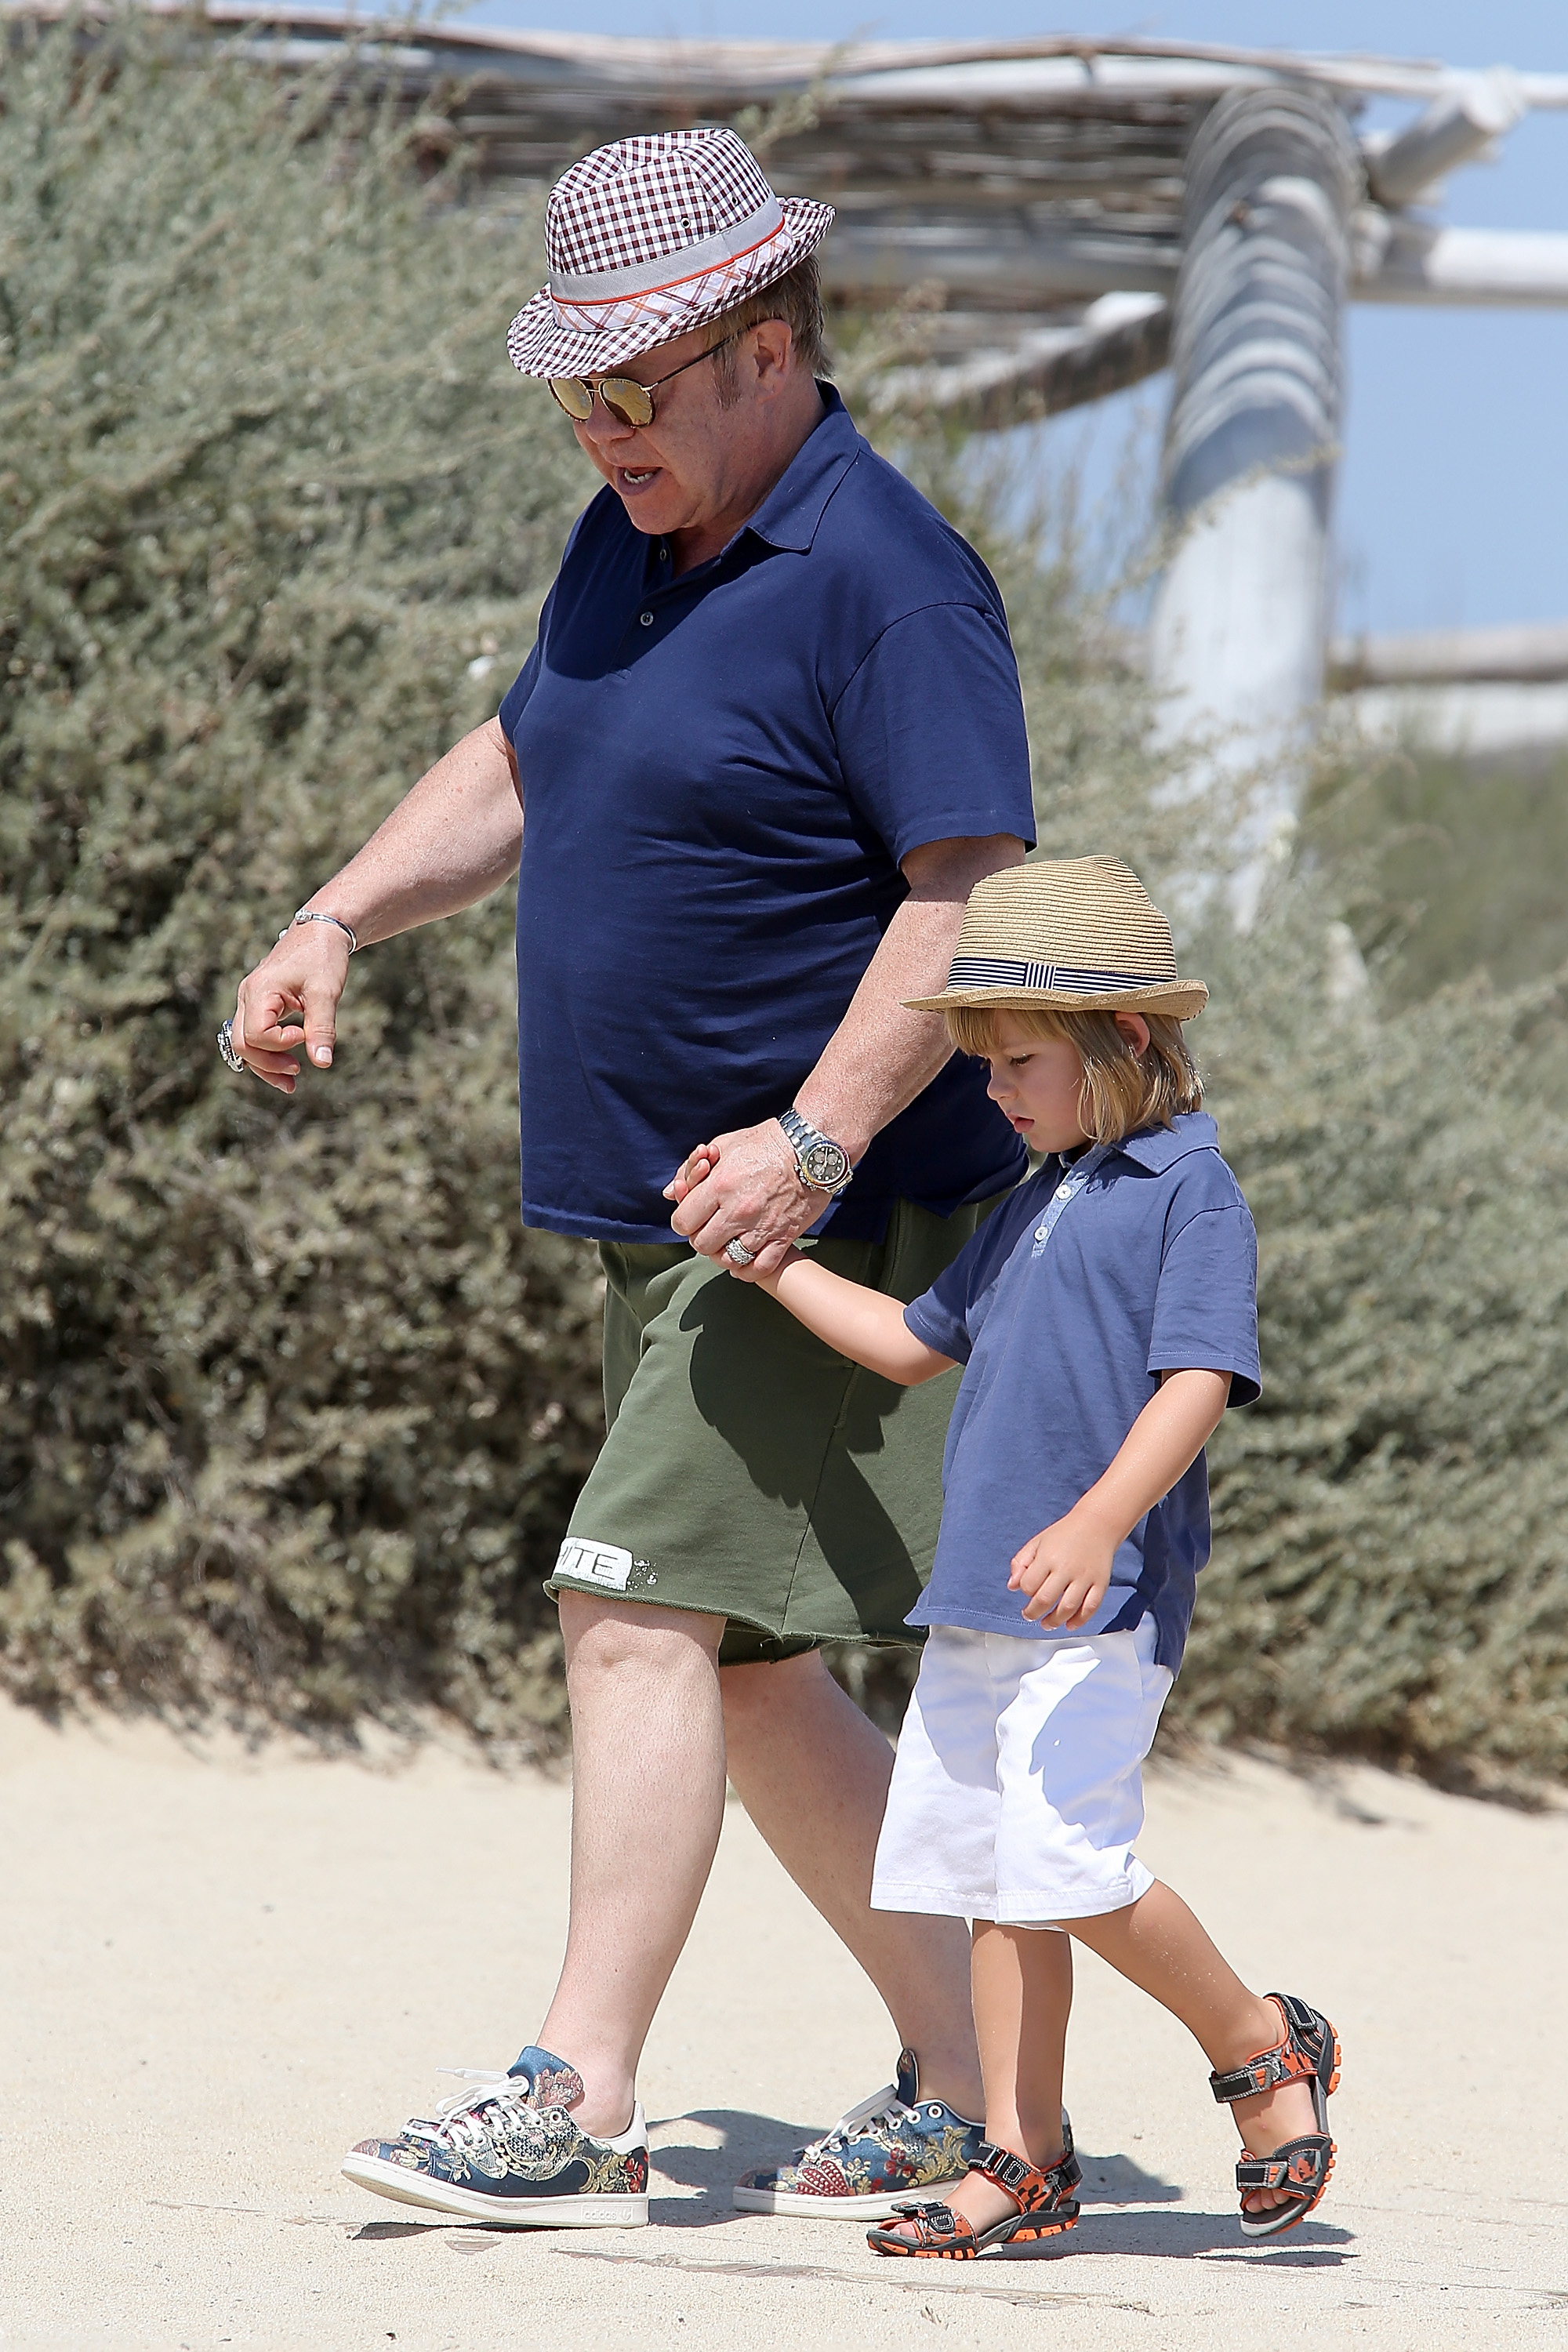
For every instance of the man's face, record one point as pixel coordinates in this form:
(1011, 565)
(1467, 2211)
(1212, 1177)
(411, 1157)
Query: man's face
(698, 460)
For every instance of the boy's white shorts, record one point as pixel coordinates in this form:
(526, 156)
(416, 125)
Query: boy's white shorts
(1017, 1789)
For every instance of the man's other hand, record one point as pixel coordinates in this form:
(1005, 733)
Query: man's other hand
(299, 984)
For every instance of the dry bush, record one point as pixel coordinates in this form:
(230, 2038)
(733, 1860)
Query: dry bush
(291, 1411)
(1390, 1574)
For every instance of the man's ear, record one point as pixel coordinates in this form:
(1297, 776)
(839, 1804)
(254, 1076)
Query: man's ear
(771, 353)
(1135, 1029)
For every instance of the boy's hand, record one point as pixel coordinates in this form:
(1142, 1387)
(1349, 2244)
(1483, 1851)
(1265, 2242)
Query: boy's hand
(743, 1187)
(692, 1171)
(754, 1274)
(1065, 1572)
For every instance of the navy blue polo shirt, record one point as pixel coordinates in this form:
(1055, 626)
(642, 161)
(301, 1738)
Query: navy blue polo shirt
(1152, 1269)
(719, 776)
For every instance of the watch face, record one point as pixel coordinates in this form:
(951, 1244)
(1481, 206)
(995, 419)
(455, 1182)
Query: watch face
(825, 1165)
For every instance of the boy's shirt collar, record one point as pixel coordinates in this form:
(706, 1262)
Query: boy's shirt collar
(1159, 1147)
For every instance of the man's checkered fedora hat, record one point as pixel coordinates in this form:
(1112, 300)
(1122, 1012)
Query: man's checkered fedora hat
(648, 237)
(1066, 935)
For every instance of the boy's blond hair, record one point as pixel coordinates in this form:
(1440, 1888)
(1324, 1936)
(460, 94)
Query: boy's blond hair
(1123, 1090)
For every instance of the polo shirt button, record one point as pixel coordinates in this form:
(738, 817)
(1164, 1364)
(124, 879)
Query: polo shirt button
(646, 620)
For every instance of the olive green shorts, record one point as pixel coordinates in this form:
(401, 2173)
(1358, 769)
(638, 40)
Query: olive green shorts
(750, 1471)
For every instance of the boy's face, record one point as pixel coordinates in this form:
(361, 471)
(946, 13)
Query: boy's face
(1039, 1081)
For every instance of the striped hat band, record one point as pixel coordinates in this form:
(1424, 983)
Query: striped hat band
(1065, 934)
(1018, 972)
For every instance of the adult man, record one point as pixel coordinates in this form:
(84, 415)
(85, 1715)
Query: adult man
(769, 737)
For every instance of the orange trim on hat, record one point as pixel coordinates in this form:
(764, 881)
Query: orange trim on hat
(712, 269)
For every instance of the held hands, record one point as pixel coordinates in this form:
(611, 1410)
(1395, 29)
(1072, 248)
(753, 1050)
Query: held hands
(745, 1186)
(299, 984)
(1065, 1572)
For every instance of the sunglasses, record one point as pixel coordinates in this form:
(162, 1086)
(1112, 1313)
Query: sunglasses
(623, 395)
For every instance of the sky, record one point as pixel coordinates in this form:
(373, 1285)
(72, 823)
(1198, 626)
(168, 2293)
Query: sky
(1453, 492)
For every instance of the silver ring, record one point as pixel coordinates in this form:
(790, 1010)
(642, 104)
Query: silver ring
(738, 1254)
(226, 1048)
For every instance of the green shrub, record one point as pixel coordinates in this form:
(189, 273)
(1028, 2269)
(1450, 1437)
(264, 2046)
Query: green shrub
(1450, 865)
(1390, 1574)
(291, 1411)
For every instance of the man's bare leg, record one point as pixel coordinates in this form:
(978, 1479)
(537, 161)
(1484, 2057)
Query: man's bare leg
(648, 1802)
(813, 1774)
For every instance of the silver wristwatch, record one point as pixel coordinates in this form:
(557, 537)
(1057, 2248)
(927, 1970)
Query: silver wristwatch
(824, 1165)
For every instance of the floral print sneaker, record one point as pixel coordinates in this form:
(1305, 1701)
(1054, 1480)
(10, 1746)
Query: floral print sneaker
(507, 2152)
(893, 2145)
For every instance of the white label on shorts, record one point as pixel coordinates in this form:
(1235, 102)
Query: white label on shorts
(595, 1563)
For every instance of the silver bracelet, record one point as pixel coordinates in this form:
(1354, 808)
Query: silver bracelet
(314, 914)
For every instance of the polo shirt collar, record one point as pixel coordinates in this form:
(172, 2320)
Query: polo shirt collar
(789, 515)
(1159, 1147)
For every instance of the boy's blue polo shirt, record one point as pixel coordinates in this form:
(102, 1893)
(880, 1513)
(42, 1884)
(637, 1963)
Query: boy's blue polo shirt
(719, 776)
(1152, 1269)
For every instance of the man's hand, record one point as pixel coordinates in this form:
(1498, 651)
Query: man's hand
(299, 984)
(447, 844)
(1065, 1572)
(745, 1186)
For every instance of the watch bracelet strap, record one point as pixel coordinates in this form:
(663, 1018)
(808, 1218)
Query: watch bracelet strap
(802, 1136)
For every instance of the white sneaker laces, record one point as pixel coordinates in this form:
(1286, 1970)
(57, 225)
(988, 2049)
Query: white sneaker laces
(455, 2123)
(883, 2107)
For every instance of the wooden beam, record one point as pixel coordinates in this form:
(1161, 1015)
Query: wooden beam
(1121, 339)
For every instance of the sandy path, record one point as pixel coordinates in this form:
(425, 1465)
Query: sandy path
(220, 1971)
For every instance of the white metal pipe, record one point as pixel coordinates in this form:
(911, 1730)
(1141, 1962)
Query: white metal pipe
(1514, 268)
(1473, 721)
(1238, 634)
(1520, 652)
(1458, 128)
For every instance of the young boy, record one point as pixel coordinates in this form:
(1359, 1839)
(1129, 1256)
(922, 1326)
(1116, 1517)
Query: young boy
(1105, 1315)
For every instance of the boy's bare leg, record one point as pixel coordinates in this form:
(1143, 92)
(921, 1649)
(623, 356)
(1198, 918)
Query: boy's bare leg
(648, 1801)
(813, 1774)
(1022, 1979)
(1156, 1943)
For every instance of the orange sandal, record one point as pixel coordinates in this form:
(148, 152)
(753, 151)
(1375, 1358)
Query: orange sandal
(1309, 2052)
(1047, 2206)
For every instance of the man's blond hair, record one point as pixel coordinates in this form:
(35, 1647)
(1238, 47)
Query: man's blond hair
(796, 298)
(1123, 1090)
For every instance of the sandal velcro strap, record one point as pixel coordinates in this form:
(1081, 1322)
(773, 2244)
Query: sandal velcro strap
(940, 2218)
(1029, 2186)
(1014, 2173)
(1264, 2072)
(1303, 2054)
(937, 2228)
(1300, 2166)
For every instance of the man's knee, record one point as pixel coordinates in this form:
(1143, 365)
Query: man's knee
(757, 1694)
(604, 1636)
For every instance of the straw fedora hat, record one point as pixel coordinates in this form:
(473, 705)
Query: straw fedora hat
(648, 237)
(1066, 935)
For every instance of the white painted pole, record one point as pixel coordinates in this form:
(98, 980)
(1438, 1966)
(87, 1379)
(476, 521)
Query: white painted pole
(1462, 126)
(1239, 625)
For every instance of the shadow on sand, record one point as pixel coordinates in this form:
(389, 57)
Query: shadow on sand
(1116, 2193)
